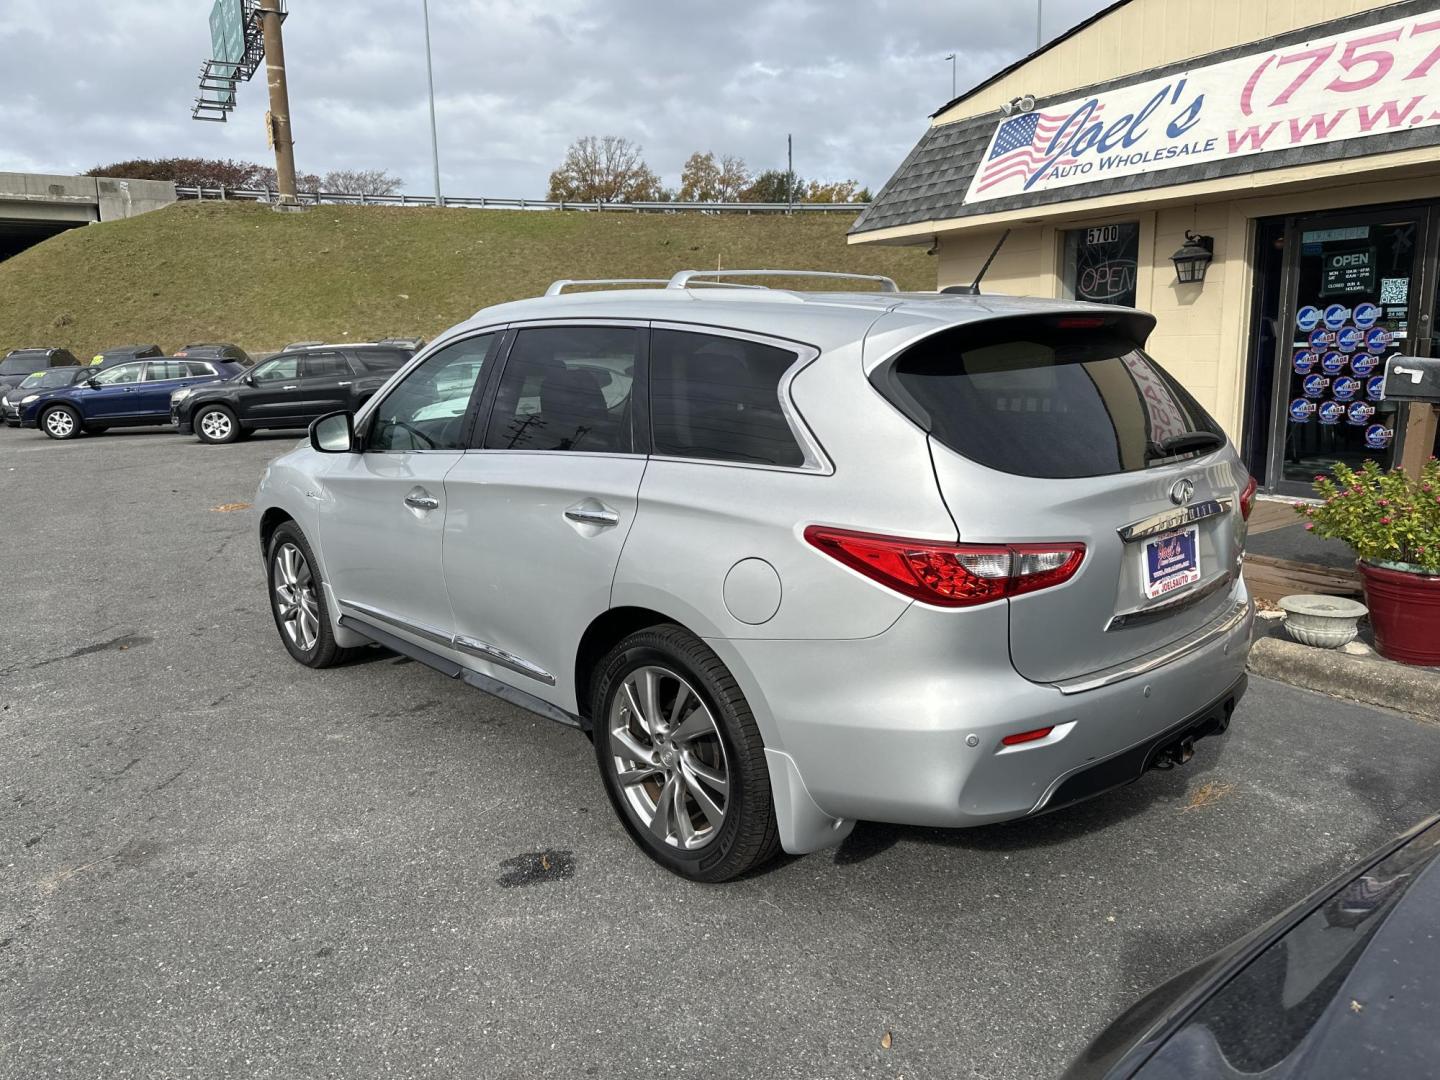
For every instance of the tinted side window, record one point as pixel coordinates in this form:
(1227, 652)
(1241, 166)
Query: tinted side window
(719, 398)
(325, 365)
(121, 373)
(383, 361)
(160, 370)
(567, 388)
(426, 409)
(198, 369)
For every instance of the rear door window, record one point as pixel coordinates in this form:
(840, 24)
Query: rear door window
(718, 398)
(567, 388)
(164, 370)
(326, 365)
(1047, 397)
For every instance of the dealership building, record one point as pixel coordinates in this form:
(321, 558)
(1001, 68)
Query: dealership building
(1264, 177)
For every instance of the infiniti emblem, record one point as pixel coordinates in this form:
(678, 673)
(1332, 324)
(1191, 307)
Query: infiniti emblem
(1181, 491)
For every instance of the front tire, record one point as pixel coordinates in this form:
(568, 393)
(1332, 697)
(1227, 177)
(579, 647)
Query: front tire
(216, 424)
(61, 422)
(682, 759)
(297, 601)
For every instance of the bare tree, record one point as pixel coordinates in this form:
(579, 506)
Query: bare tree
(604, 169)
(362, 182)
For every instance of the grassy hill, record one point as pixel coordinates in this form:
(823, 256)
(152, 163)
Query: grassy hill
(242, 273)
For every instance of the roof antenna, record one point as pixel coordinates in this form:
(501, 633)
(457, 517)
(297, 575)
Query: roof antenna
(974, 287)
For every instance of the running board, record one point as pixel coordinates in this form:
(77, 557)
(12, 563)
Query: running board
(494, 687)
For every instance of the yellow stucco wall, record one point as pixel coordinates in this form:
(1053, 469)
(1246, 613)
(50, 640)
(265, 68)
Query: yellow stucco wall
(1147, 34)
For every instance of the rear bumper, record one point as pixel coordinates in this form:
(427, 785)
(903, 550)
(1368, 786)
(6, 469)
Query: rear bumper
(907, 726)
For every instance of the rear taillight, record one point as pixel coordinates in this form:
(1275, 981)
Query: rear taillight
(950, 575)
(1247, 498)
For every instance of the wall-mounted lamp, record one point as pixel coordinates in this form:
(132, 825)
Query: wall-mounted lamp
(1193, 258)
(1023, 104)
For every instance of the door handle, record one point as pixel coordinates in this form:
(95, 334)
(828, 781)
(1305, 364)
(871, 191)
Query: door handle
(345, 383)
(420, 499)
(292, 386)
(590, 515)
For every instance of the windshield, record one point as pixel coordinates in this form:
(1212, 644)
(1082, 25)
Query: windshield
(43, 380)
(23, 365)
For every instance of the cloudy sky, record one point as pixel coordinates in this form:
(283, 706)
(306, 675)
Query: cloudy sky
(84, 82)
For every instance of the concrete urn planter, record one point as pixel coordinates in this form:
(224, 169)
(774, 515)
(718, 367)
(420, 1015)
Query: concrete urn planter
(1326, 622)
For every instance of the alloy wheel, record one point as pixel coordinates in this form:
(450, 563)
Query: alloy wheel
(60, 423)
(295, 598)
(669, 758)
(215, 425)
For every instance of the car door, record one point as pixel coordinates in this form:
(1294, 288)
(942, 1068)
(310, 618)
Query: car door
(323, 387)
(113, 395)
(162, 378)
(383, 511)
(263, 395)
(540, 507)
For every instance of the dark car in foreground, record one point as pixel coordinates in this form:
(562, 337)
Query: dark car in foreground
(20, 363)
(36, 383)
(126, 395)
(1345, 984)
(121, 354)
(288, 390)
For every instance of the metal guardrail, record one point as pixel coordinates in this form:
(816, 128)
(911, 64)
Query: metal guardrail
(336, 198)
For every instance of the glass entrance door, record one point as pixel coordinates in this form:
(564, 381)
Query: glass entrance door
(1353, 298)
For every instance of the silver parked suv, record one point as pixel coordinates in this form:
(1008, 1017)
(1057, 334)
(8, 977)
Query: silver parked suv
(792, 558)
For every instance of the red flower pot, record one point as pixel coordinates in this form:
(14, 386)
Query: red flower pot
(1404, 613)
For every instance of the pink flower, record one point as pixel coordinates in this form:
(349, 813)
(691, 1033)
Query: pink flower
(1383, 502)
(1309, 525)
(1319, 479)
(1384, 521)
(1358, 490)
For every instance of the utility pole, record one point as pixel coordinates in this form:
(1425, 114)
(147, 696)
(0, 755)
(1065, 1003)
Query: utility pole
(279, 116)
(789, 174)
(430, 75)
(1039, 23)
(951, 58)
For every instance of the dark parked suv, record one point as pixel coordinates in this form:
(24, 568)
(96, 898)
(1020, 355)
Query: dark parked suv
(18, 363)
(288, 390)
(200, 350)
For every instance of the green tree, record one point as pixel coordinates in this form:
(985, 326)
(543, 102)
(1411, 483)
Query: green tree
(700, 179)
(774, 186)
(604, 169)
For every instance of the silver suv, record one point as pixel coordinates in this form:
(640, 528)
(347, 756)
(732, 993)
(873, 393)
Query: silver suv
(791, 558)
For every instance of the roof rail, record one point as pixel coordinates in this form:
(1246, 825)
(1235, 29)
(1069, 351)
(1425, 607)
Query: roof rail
(558, 287)
(683, 278)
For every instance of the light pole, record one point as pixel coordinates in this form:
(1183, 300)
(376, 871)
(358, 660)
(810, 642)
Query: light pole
(430, 76)
(951, 58)
(1039, 22)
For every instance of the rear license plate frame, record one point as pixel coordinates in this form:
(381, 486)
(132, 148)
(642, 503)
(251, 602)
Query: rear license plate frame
(1170, 562)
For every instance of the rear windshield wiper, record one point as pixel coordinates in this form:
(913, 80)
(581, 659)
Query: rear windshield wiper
(1185, 443)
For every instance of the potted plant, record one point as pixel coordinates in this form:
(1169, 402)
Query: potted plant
(1392, 522)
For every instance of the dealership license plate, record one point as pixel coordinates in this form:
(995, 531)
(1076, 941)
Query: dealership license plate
(1172, 562)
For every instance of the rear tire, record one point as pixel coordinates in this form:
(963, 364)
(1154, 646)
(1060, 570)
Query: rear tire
(297, 601)
(61, 422)
(216, 424)
(681, 757)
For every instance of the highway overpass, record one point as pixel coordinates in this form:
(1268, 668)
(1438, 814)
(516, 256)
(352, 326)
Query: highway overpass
(34, 206)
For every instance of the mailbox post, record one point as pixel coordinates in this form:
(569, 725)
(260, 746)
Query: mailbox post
(1415, 379)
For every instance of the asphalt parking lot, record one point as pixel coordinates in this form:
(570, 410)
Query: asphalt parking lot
(217, 863)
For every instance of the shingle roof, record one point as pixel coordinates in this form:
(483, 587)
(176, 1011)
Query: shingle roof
(931, 182)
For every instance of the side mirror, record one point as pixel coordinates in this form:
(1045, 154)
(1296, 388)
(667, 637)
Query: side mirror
(248, 380)
(334, 433)
(92, 382)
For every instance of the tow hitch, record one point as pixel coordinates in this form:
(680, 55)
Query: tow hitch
(1177, 753)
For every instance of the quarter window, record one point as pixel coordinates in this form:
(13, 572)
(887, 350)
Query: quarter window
(427, 409)
(567, 388)
(719, 398)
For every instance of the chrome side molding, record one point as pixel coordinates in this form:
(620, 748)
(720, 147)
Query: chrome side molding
(474, 647)
(1167, 520)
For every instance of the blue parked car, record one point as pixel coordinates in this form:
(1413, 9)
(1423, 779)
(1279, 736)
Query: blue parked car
(126, 395)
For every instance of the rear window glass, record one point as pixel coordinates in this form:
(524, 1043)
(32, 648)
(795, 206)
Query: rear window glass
(1035, 398)
(23, 365)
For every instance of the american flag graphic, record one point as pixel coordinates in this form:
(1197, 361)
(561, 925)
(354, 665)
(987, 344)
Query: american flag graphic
(1019, 147)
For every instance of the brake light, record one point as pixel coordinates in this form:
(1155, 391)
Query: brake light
(1247, 498)
(1080, 322)
(946, 574)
